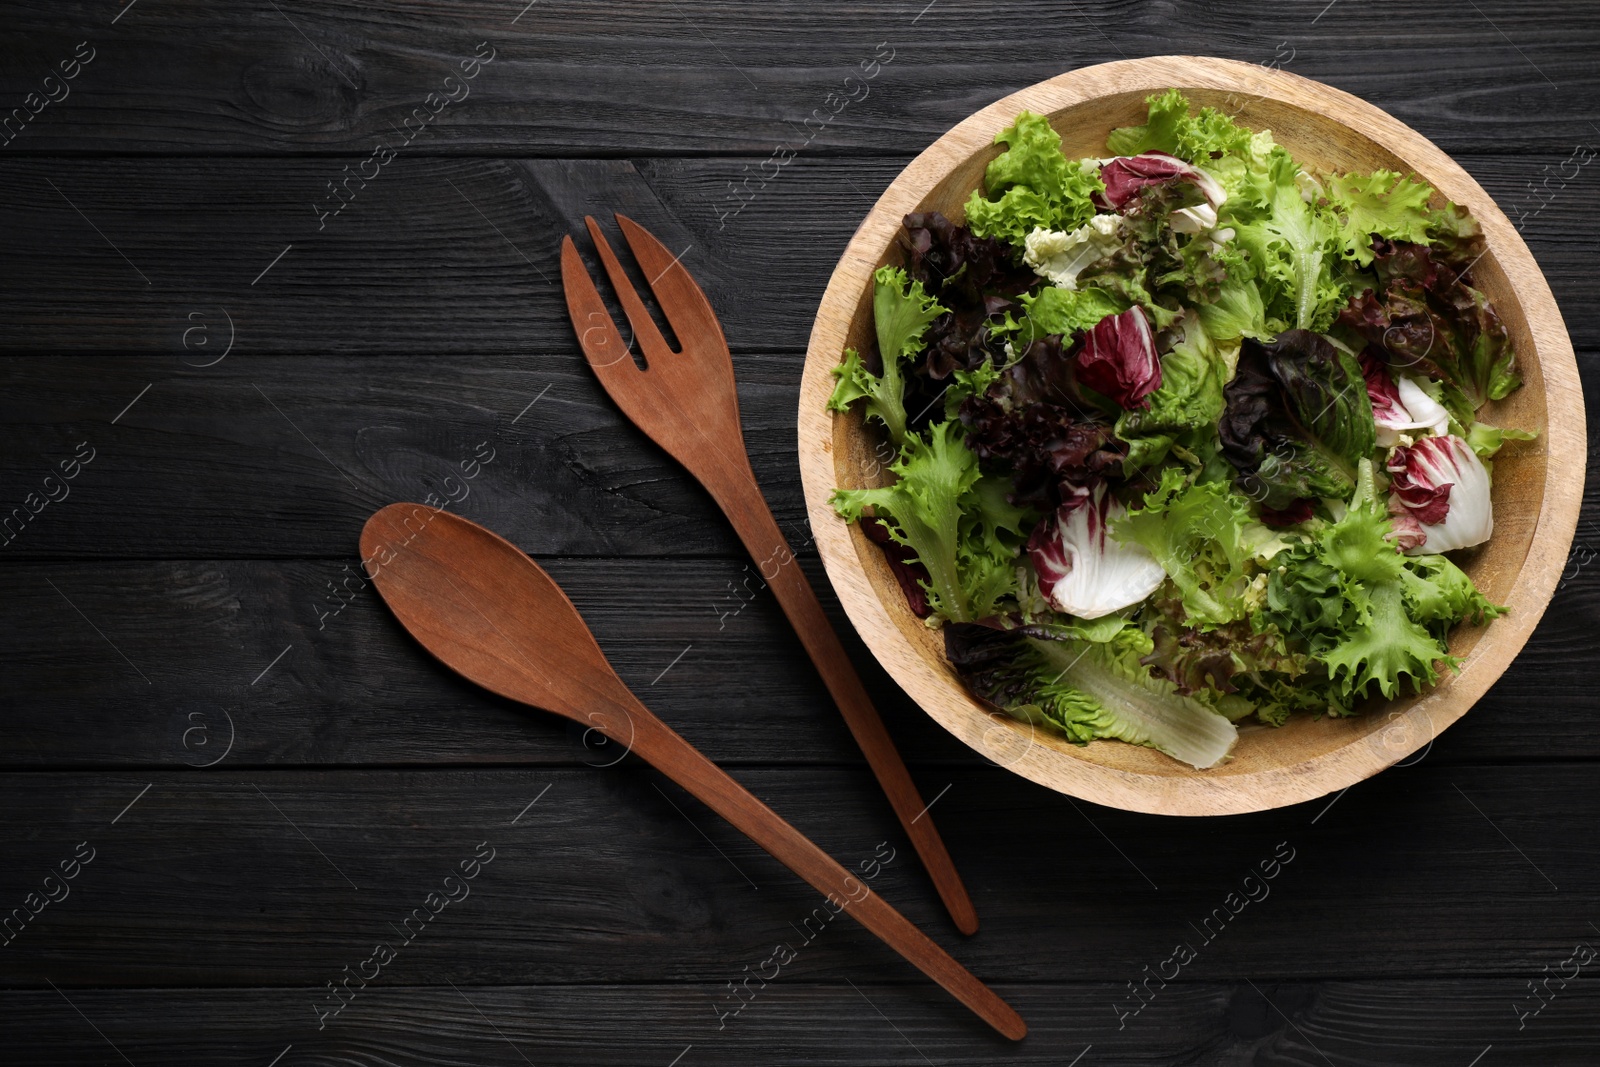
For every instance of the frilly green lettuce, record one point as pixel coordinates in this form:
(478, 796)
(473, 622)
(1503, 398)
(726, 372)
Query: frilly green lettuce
(1196, 531)
(1382, 203)
(1032, 185)
(1186, 407)
(958, 522)
(1363, 609)
(902, 311)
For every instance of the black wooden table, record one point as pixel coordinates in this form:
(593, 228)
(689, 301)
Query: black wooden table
(269, 266)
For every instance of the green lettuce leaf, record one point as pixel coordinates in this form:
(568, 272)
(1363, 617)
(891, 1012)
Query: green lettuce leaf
(991, 534)
(1245, 174)
(1053, 310)
(1361, 544)
(1237, 312)
(1101, 630)
(1121, 276)
(1184, 409)
(967, 383)
(1381, 203)
(902, 310)
(1438, 591)
(1032, 185)
(1171, 129)
(957, 522)
(1362, 608)
(1130, 705)
(1089, 690)
(1197, 533)
(1386, 646)
(1487, 440)
(1307, 599)
(1290, 248)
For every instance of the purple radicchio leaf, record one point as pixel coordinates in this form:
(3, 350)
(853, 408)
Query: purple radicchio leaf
(1082, 570)
(1118, 359)
(1441, 485)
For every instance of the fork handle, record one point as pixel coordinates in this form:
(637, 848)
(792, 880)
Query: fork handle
(741, 499)
(666, 750)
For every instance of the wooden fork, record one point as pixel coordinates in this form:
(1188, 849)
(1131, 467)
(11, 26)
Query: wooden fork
(686, 402)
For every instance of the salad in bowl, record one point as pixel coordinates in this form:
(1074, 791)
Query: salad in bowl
(1185, 435)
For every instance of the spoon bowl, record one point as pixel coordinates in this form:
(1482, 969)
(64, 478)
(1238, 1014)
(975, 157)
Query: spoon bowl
(437, 572)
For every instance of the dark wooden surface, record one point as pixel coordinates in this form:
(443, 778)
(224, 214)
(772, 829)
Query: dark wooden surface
(178, 599)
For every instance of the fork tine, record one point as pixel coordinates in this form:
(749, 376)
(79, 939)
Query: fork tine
(597, 334)
(650, 340)
(680, 297)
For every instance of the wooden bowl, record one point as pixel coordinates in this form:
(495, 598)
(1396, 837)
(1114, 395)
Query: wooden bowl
(1537, 485)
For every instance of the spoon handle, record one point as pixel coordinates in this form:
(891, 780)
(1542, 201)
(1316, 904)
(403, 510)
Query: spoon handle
(667, 751)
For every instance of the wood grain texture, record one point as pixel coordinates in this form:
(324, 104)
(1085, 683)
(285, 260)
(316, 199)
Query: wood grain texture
(1536, 492)
(1267, 1023)
(708, 75)
(412, 267)
(184, 472)
(321, 443)
(712, 649)
(414, 325)
(616, 875)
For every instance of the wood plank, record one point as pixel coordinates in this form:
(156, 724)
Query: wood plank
(255, 878)
(1443, 1022)
(441, 255)
(286, 456)
(712, 656)
(283, 456)
(706, 75)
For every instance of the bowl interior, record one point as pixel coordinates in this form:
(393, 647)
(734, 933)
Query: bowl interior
(1321, 144)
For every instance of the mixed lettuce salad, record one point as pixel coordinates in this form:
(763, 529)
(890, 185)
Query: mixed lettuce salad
(1181, 435)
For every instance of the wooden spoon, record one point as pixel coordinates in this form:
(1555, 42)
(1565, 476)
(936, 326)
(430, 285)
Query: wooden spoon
(491, 614)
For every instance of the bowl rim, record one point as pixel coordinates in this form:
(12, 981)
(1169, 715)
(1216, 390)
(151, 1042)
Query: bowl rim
(1533, 585)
